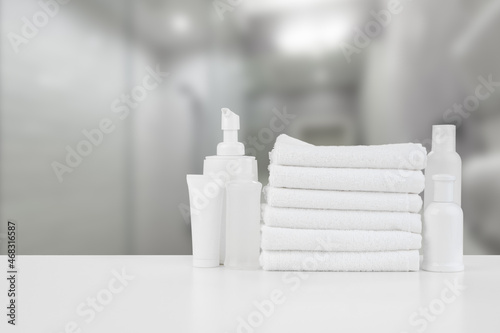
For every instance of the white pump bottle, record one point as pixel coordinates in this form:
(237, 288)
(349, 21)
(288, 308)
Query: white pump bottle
(229, 164)
(444, 230)
(443, 159)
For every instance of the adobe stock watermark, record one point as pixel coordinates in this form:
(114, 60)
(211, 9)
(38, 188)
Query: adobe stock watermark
(414, 161)
(31, 27)
(88, 310)
(460, 111)
(93, 138)
(456, 114)
(292, 281)
(200, 199)
(424, 316)
(371, 29)
(277, 125)
(253, 144)
(263, 309)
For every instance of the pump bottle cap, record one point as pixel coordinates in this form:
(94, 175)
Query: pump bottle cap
(230, 124)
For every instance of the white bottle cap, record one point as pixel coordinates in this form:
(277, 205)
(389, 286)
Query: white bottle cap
(443, 187)
(230, 124)
(443, 137)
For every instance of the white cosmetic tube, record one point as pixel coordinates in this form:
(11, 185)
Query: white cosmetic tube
(205, 198)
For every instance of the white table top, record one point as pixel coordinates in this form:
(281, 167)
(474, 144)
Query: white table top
(168, 295)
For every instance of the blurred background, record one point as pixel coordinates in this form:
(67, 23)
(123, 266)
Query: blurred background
(341, 72)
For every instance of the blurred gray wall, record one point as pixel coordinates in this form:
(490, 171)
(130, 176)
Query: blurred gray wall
(129, 195)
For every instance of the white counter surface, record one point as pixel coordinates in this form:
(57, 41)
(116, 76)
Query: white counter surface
(82, 294)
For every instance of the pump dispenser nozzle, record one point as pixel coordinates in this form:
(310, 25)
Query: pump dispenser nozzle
(230, 124)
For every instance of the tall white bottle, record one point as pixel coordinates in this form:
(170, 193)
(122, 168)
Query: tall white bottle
(444, 231)
(443, 159)
(243, 223)
(229, 164)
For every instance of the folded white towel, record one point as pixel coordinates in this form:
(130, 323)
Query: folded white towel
(340, 219)
(344, 200)
(282, 239)
(347, 179)
(393, 261)
(406, 156)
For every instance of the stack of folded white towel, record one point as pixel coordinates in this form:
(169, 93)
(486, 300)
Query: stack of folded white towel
(343, 208)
